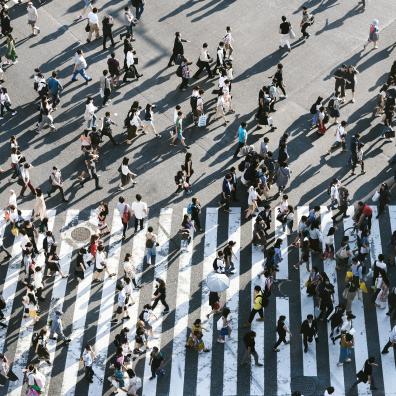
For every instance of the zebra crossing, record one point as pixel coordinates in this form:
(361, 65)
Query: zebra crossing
(89, 308)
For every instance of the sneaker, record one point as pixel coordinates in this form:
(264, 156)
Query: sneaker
(14, 112)
(259, 364)
(339, 364)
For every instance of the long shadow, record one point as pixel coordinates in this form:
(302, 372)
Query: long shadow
(220, 6)
(178, 10)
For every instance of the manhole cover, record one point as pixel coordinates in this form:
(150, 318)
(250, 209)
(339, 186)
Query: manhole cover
(306, 385)
(81, 234)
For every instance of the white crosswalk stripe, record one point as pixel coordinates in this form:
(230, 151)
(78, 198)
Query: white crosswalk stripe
(229, 354)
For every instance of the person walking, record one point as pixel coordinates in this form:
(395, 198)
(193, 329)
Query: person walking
(224, 325)
(178, 136)
(277, 79)
(184, 72)
(282, 330)
(226, 193)
(340, 138)
(125, 213)
(107, 28)
(56, 182)
(40, 207)
(366, 374)
(228, 41)
(346, 345)
(156, 362)
(306, 21)
(139, 211)
(250, 345)
(5, 103)
(285, 30)
(309, 330)
(373, 34)
(148, 120)
(194, 210)
(126, 174)
(384, 198)
(241, 136)
(32, 18)
(55, 88)
(130, 22)
(45, 115)
(80, 64)
(391, 341)
(113, 66)
(106, 128)
(40, 341)
(92, 172)
(130, 66)
(57, 327)
(105, 87)
(178, 50)
(258, 305)
(93, 24)
(160, 295)
(204, 62)
(11, 55)
(151, 246)
(25, 180)
(88, 358)
(139, 7)
(89, 114)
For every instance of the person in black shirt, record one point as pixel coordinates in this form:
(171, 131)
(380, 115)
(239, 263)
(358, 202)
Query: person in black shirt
(195, 212)
(340, 76)
(309, 330)
(228, 254)
(178, 50)
(250, 343)
(284, 30)
(366, 374)
(156, 362)
(277, 79)
(160, 295)
(282, 330)
(107, 26)
(31, 232)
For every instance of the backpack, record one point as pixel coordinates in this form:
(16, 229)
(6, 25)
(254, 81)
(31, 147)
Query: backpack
(241, 166)
(2, 303)
(190, 208)
(126, 215)
(119, 285)
(95, 138)
(179, 72)
(149, 243)
(312, 110)
(331, 104)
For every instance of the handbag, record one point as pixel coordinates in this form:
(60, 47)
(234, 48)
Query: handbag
(292, 35)
(202, 121)
(87, 27)
(376, 196)
(135, 61)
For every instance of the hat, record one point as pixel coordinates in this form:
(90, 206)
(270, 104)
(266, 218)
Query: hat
(59, 313)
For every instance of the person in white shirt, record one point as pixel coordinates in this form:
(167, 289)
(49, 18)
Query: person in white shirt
(56, 183)
(32, 18)
(220, 56)
(129, 270)
(126, 174)
(340, 135)
(25, 176)
(79, 67)
(228, 41)
(130, 70)
(5, 103)
(204, 62)
(93, 21)
(100, 264)
(87, 358)
(140, 211)
(130, 22)
(89, 114)
(391, 342)
(334, 195)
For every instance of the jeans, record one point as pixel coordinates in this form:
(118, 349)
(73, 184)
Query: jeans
(92, 122)
(150, 254)
(139, 11)
(345, 353)
(83, 75)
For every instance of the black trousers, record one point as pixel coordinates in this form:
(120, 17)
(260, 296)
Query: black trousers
(340, 84)
(280, 340)
(89, 373)
(253, 314)
(173, 58)
(238, 149)
(163, 301)
(124, 228)
(110, 36)
(304, 29)
(110, 136)
(138, 222)
(204, 65)
(106, 95)
(387, 346)
(93, 176)
(54, 188)
(184, 83)
(281, 87)
(196, 221)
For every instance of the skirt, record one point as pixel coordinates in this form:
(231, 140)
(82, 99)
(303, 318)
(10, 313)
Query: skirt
(125, 179)
(131, 131)
(43, 353)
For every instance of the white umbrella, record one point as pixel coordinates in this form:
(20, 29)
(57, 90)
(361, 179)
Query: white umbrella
(217, 282)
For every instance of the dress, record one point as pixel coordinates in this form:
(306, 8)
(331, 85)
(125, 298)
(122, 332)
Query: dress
(40, 208)
(11, 51)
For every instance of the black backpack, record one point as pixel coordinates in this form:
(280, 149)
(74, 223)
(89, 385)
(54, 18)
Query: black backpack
(331, 104)
(95, 138)
(312, 110)
(179, 72)
(193, 102)
(2, 302)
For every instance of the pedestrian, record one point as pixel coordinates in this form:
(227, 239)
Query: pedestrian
(45, 115)
(113, 66)
(285, 30)
(258, 306)
(178, 50)
(130, 66)
(5, 103)
(80, 64)
(241, 136)
(309, 330)
(373, 34)
(351, 77)
(228, 41)
(148, 120)
(88, 358)
(282, 330)
(160, 295)
(204, 62)
(314, 110)
(283, 175)
(151, 246)
(93, 24)
(6, 369)
(100, 265)
(25, 180)
(107, 28)
(178, 136)
(218, 263)
(228, 256)
(105, 87)
(11, 55)
(92, 172)
(89, 114)
(214, 303)
(194, 210)
(277, 80)
(224, 325)
(139, 7)
(81, 264)
(156, 363)
(129, 270)
(350, 291)
(250, 344)
(35, 380)
(340, 140)
(226, 193)
(55, 89)
(40, 341)
(306, 21)
(130, 22)
(184, 72)
(53, 262)
(57, 327)
(40, 207)
(340, 82)
(133, 122)
(384, 198)
(333, 107)
(195, 339)
(140, 211)
(220, 56)
(334, 194)
(32, 18)
(56, 182)
(366, 374)
(125, 213)
(391, 341)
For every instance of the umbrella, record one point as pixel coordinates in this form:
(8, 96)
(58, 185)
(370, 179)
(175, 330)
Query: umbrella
(217, 282)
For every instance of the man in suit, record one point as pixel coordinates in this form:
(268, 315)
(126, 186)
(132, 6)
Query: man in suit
(309, 330)
(226, 193)
(177, 49)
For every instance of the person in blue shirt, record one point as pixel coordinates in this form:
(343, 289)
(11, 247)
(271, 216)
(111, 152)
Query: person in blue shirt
(242, 137)
(226, 192)
(55, 88)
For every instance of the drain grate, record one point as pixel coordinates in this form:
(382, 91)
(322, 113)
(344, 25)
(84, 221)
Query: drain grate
(308, 386)
(81, 234)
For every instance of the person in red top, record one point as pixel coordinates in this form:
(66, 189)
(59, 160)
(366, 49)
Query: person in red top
(363, 215)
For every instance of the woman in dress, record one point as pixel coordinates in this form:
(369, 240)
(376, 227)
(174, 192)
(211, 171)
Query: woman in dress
(11, 50)
(148, 120)
(126, 174)
(40, 208)
(41, 345)
(188, 166)
(53, 265)
(102, 225)
(129, 270)
(195, 339)
(373, 34)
